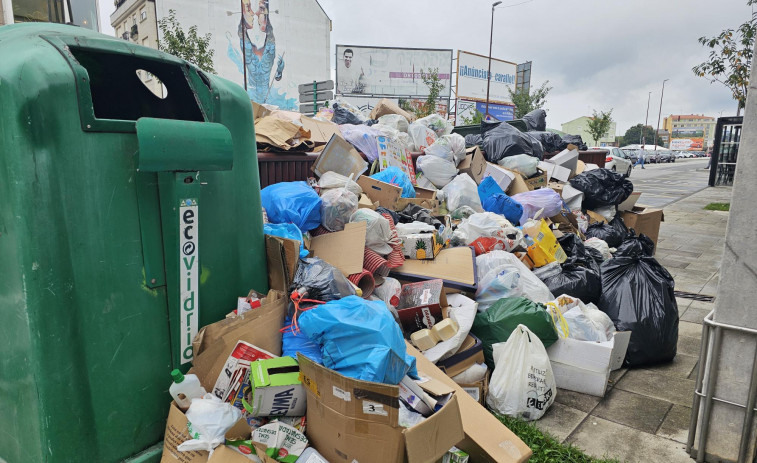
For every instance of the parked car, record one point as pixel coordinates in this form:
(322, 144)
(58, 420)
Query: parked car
(666, 156)
(631, 154)
(618, 161)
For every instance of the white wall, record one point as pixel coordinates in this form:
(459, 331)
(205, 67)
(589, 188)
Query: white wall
(301, 32)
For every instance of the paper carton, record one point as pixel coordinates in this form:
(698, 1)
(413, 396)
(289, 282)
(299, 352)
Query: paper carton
(343, 249)
(421, 305)
(420, 246)
(352, 420)
(276, 388)
(384, 193)
(470, 353)
(474, 164)
(455, 266)
(545, 249)
(585, 366)
(341, 157)
(282, 257)
(502, 176)
(537, 181)
(479, 389)
(555, 172)
(644, 220)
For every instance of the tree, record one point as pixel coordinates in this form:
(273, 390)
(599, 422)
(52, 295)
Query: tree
(428, 107)
(599, 125)
(186, 45)
(525, 101)
(730, 60)
(475, 119)
(634, 135)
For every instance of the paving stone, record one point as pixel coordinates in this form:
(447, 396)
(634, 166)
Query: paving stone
(615, 376)
(692, 330)
(676, 424)
(560, 420)
(659, 386)
(708, 306)
(683, 304)
(605, 439)
(680, 367)
(634, 410)
(695, 315)
(688, 345)
(668, 263)
(583, 402)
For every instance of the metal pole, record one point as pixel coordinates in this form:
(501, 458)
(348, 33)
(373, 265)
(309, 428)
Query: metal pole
(489, 72)
(659, 114)
(244, 45)
(646, 119)
(315, 95)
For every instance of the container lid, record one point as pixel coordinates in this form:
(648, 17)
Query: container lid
(177, 376)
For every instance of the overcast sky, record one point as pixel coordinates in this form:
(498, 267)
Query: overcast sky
(597, 54)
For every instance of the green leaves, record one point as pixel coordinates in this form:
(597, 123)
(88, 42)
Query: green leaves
(185, 45)
(599, 124)
(525, 102)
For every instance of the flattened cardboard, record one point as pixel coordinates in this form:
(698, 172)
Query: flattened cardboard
(343, 249)
(278, 132)
(595, 217)
(474, 164)
(486, 438)
(365, 202)
(352, 420)
(341, 157)
(456, 266)
(383, 193)
(644, 220)
(282, 257)
(225, 454)
(320, 131)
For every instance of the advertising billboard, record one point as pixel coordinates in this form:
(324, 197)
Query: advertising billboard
(390, 72)
(471, 78)
(687, 138)
(466, 110)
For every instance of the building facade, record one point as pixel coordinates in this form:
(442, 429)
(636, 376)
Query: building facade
(694, 132)
(580, 126)
(269, 47)
(83, 13)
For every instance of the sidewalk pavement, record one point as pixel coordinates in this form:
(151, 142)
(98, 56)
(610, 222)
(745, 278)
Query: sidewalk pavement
(644, 416)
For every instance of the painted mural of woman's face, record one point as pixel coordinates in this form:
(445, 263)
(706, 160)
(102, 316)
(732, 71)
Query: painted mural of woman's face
(256, 21)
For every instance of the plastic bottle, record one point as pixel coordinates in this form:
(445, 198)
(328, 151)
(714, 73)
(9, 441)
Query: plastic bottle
(185, 388)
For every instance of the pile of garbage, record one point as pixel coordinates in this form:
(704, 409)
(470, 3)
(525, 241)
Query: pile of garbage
(403, 294)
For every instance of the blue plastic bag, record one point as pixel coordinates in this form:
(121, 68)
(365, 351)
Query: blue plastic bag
(286, 230)
(292, 343)
(359, 339)
(488, 187)
(505, 205)
(395, 176)
(292, 202)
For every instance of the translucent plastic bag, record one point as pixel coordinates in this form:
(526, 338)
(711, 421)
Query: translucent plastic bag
(587, 323)
(522, 163)
(395, 176)
(502, 282)
(209, 420)
(449, 147)
(490, 268)
(462, 191)
(437, 123)
(337, 207)
(363, 138)
(293, 202)
(438, 171)
(421, 136)
(389, 292)
(395, 121)
(378, 234)
(484, 224)
(534, 201)
(331, 180)
(522, 384)
(600, 245)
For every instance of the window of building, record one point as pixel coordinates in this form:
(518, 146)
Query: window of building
(134, 18)
(142, 15)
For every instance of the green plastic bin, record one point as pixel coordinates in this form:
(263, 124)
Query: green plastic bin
(127, 221)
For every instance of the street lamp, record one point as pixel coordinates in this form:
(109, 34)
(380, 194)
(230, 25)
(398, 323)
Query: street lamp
(659, 114)
(646, 119)
(489, 72)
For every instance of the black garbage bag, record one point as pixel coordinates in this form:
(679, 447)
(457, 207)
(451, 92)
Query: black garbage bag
(605, 231)
(322, 281)
(636, 245)
(536, 120)
(637, 294)
(501, 140)
(579, 254)
(549, 141)
(596, 256)
(342, 116)
(577, 281)
(473, 139)
(618, 224)
(395, 217)
(602, 187)
(416, 213)
(574, 140)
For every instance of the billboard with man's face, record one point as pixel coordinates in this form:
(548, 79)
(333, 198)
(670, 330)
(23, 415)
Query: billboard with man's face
(390, 72)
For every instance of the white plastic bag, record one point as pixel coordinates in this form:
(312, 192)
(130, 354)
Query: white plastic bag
(545, 200)
(587, 323)
(404, 229)
(474, 373)
(209, 420)
(522, 163)
(485, 224)
(608, 212)
(337, 206)
(437, 123)
(462, 191)
(450, 147)
(389, 292)
(363, 138)
(331, 180)
(438, 171)
(505, 281)
(395, 121)
(463, 311)
(600, 245)
(378, 234)
(405, 141)
(522, 384)
(531, 286)
(421, 136)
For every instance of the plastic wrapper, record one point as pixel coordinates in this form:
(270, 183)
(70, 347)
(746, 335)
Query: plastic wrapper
(608, 212)
(421, 136)
(337, 207)
(462, 191)
(395, 121)
(462, 212)
(501, 140)
(484, 224)
(437, 123)
(438, 171)
(343, 116)
(600, 245)
(502, 274)
(293, 202)
(331, 180)
(602, 187)
(359, 339)
(502, 204)
(536, 120)
(448, 147)
(638, 295)
(522, 383)
(408, 418)
(605, 232)
(209, 420)
(389, 292)
(363, 138)
(378, 234)
(522, 163)
(322, 281)
(546, 200)
(286, 230)
(395, 176)
(415, 213)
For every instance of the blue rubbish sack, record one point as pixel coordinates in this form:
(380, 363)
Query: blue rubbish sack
(286, 230)
(505, 205)
(359, 339)
(395, 176)
(292, 202)
(488, 187)
(291, 343)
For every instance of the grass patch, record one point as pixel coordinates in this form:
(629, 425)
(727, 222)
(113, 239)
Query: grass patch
(718, 207)
(546, 448)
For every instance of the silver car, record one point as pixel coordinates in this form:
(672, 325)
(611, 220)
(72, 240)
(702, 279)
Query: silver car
(618, 161)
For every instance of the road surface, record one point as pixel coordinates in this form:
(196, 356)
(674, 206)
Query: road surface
(663, 184)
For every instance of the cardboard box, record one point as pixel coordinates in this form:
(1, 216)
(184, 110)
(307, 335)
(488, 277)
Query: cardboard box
(470, 353)
(431, 204)
(386, 106)
(341, 157)
(479, 389)
(455, 266)
(585, 366)
(282, 257)
(523, 256)
(276, 388)
(384, 193)
(235, 374)
(343, 249)
(502, 176)
(425, 193)
(630, 202)
(421, 305)
(365, 202)
(644, 220)
(487, 440)
(420, 246)
(566, 158)
(537, 181)
(352, 420)
(518, 185)
(555, 172)
(474, 164)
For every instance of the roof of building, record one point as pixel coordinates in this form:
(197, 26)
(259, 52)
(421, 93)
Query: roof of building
(678, 117)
